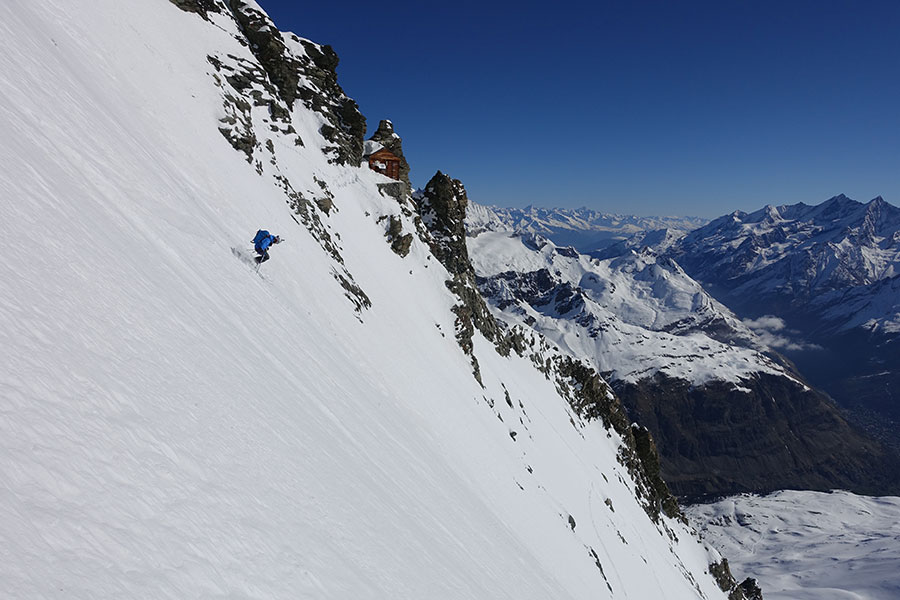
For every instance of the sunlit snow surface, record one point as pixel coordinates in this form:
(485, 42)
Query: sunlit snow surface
(809, 545)
(175, 426)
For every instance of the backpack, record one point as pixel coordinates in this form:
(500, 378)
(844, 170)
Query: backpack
(260, 236)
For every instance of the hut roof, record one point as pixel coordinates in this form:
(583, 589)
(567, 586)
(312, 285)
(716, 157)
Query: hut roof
(371, 147)
(383, 154)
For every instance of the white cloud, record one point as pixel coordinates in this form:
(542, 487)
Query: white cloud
(773, 332)
(765, 322)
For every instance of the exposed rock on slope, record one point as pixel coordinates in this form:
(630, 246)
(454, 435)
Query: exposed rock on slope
(201, 7)
(300, 70)
(442, 208)
(770, 434)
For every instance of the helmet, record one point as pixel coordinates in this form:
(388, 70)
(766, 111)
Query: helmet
(277, 239)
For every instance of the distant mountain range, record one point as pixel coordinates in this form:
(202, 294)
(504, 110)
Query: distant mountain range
(820, 284)
(830, 276)
(837, 263)
(582, 228)
(728, 413)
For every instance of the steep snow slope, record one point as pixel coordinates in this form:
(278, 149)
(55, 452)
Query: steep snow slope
(726, 416)
(809, 545)
(585, 229)
(177, 426)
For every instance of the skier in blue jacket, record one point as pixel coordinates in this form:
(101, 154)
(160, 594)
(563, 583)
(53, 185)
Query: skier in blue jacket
(261, 244)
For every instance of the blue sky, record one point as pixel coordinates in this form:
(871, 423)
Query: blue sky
(633, 107)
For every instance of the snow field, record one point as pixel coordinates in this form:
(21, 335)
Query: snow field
(809, 545)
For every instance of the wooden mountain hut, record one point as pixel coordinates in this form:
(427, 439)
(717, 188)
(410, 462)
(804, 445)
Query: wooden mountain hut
(385, 162)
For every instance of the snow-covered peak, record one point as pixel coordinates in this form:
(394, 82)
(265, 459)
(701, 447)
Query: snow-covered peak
(800, 252)
(634, 315)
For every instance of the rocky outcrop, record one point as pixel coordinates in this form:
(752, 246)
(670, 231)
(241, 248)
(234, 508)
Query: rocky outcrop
(201, 7)
(400, 242)
(442, 210)
(386, 136)
(267, 45)
(347, 125)
(775, 433)
(746, 590)
(592, 399)
(297, 70)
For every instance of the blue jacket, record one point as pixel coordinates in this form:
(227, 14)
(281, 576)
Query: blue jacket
(263, 240)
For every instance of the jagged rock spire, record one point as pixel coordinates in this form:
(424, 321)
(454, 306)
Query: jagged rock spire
(442, 206)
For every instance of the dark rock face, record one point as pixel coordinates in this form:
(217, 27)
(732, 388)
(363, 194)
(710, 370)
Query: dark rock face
(717, 440)
(648, 454)
(861, 371)
(201, 7)
(385, 136)
(271, 51)
(292, 73)
(746, 590)
(442, 210)
(400, 242)
(750, 590)
(347, 125)
(442, 207)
